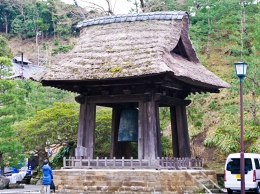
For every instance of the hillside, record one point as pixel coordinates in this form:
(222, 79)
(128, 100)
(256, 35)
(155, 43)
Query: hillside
(47, 47)
(222, 32)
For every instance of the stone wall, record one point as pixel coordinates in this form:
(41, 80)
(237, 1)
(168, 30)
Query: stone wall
(127, 181)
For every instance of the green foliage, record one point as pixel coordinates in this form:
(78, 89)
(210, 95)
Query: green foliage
(17, 26)
(58, 125)
(56, 42)
(5, 51)
(62, 48)
(52, 18)
(166, 146)
(218, 117)
(39, 97)
(65, 151)
(225, 138)
(164, 115)
(5, 67)
(11, 106)
(103, 132)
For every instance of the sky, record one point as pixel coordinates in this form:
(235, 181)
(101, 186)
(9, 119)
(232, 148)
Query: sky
(121, 6)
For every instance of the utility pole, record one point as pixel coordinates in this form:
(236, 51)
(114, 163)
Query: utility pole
(22, 67)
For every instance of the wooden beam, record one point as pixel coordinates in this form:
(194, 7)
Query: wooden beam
(121, 98)
(80, 99)
(174, 86)
(171, 101)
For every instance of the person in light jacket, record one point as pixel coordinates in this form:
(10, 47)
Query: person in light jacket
(47, 176)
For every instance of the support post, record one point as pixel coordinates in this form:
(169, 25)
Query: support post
(175, 143)
(81, 125)
(90, 129)
(148, 130)
(182, 131)
(114, 146)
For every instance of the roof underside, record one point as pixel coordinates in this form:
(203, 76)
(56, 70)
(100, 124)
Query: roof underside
(126, 49)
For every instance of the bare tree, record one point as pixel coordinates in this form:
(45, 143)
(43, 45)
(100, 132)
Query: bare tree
(101, 10)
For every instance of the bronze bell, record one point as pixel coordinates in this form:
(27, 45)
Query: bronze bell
(128, 126)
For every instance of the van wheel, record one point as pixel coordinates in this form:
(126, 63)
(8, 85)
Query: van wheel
(257, 190)
(229, 191)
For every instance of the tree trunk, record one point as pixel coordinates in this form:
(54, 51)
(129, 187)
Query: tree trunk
(209, 35)
(253, 105)
(142, 3)
(244, 29)
(6, 25)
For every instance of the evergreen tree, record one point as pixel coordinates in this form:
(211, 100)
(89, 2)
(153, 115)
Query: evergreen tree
(11, 106)
(5, 51)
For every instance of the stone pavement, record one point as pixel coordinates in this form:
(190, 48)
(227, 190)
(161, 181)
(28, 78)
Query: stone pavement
(32, 189)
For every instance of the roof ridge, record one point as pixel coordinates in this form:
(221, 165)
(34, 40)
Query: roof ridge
(164, 15)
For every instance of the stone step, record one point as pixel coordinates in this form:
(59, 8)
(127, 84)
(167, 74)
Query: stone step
(15, 186)
(214, 190)
(204, 181)
(210, 186)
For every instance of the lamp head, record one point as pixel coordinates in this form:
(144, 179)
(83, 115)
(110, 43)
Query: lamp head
(241, 68)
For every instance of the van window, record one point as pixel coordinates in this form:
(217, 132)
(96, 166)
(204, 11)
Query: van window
(234, 165)
(257, 166)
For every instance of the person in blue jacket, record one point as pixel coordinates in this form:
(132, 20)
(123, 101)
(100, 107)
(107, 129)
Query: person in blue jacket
(47, 176)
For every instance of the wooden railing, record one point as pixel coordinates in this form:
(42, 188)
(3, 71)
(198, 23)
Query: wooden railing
(159, 163)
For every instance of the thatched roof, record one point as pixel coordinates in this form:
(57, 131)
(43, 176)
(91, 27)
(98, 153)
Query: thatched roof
(133, 45)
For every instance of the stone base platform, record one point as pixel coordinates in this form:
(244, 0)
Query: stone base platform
(129, 181)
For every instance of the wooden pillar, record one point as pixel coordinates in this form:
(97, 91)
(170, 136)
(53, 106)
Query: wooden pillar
(81, 125)
(86, 126)
(180, 126)
(158, 131)
(148, 130)
(90, 120)
(186, 132)
(114, 147)
(142, 125)
(175, 143)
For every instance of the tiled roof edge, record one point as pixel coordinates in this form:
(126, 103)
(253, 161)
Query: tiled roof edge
(169, 15)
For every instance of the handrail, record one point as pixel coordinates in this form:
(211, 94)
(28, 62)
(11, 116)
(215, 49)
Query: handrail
(158, 163)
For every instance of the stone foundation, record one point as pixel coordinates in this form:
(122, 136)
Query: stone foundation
(128, 181)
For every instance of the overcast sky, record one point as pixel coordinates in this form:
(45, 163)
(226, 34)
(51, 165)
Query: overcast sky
(121, 6)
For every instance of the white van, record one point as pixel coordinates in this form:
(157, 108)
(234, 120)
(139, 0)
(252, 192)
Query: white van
(232, 176)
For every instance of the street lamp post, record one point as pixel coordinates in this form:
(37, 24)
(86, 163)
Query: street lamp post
(241, 68)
